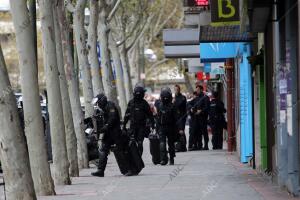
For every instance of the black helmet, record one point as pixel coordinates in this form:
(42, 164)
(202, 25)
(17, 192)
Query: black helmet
(139, 92)
(100, 100)
(166, 95)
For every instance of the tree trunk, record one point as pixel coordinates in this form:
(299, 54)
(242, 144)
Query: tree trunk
(32, 11)
(119, 74)
(80, 38)
(13, 151)
(31, 100)
(92, 46)
(72, 79)
(107, 76)
(126, 71)
(57, 128)
(132, 56)
(188, 83)
(71, 141)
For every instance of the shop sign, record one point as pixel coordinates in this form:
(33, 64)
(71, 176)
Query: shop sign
(225, 12)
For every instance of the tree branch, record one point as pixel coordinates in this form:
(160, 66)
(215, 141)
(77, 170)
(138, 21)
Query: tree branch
(155, 27)
(133, 29)
(135, 41)
(114, 10)
(166, 21)
(156, 64)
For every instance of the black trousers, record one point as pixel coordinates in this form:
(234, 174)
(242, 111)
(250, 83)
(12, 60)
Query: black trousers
(105, 148)
(199, 131)
(181, 137)
(139, 133)
(167, 135)
(192, 128)
(217, 139)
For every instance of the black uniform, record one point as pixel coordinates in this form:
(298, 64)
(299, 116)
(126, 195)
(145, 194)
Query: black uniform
(216, 122)
(192, 142)
(111, 130)
(138, 112)
(166, 122)
(180, 105)
(200, 126)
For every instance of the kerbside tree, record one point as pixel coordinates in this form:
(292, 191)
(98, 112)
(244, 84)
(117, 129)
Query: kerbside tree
(13, 151)
(103, 33)
(92, 47)
(31, 100)
(81, 46)
(57, 127)
(119, 73)
(71, 141)
(129, 25)
(73, 86)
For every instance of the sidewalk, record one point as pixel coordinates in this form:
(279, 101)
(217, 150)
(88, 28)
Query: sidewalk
(198, 175)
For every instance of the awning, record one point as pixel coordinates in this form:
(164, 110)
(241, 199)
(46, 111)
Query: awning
(224, 34)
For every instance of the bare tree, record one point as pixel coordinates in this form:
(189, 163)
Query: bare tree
(129, 25)
(71, 141)
(103, 32)
(13, 151)
(31, 100)
(73, 84)
(57, 128)
(81, 38)
(92, 46)
(119, 73)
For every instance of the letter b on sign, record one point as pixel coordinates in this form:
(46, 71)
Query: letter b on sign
(225, 12)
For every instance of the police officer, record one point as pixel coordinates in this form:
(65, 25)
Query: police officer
(192, 123)
(111, 131)
(166, 122)
(138, 112)
(216, 120)
(200, 110)
(180, 105)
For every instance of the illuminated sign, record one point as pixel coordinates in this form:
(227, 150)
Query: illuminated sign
(202, 76)
(201, 2)
(194, 3)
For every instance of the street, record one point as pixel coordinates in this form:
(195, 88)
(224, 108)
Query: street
(197, 175)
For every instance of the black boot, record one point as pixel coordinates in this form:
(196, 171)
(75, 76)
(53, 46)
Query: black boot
(98, 173)
(163, 154)
(130, 173)
(192, 148)
(171, 161)
(164, 162)
(206, 147)
(101, 164)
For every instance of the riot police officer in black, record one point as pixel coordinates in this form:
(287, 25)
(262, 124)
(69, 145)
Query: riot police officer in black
(111, 131)
(138, 112)
(192, 123)
(217, 120)
(166, 122)
(200, 110)
(180, 104)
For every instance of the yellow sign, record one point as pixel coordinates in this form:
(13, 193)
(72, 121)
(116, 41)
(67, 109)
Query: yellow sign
(225, 12)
